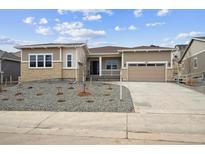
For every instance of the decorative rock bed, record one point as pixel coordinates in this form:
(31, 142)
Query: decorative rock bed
(103, 98)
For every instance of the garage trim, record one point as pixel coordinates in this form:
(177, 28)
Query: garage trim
(148, 62)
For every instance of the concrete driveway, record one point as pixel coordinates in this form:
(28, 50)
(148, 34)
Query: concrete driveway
(159, 97)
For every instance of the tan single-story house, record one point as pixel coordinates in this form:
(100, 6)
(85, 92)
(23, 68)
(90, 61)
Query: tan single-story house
(193, 61)
(76, 61)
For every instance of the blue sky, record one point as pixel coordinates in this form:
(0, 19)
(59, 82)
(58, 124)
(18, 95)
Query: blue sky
(100, 27)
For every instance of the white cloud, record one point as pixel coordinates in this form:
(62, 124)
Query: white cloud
(167, 42)
(132, 27)
(9, 41)
(28, 20)
(86, 12)
(163, 12)
(63, 39)
(155, 24)
(118, 28)
(77, 31)
(92, 17)
(65, 27)
(188, 35)
(90, 14)
(57, 20)
(88, 33)
(138, 13)
(43, 30)
(61, 11)
(43, 21)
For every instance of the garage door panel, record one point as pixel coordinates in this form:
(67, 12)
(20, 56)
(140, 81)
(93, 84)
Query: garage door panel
(146, 73)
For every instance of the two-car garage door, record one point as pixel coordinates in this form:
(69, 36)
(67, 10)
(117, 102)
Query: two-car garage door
(146, 72)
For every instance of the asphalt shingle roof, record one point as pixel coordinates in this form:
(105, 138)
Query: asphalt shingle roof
(7, 55)
(48, 45)
(106, 49)
(114, 49)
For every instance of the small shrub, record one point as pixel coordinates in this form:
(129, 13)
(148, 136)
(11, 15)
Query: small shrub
(20, 99)
(39, 94)
(59, 93)
(5, 99)
(18, 94)
(89, 101)
(84, 94)
(61, 100)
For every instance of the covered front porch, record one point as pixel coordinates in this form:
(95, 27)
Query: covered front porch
(104, 67)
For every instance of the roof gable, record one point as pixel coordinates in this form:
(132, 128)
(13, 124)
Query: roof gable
(201, 39)
(106, 49)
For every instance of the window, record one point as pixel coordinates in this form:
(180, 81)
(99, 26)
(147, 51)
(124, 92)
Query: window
(111, 64)
(141, 64)
(150, 64)
(132, 64)
(40, 60)
(160, 64)
(195, 63)
(48, 61)
(32, 60)
(69, 60)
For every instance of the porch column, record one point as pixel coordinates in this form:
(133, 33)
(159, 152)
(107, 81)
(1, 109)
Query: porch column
(100, 66)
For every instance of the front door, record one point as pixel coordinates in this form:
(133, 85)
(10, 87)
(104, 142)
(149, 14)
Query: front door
(94, 67)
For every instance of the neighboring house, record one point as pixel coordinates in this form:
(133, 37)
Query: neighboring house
(9, 66)
(180, 48)
(193, 60)
(53, 61)
(176, 57)
(143, 63)
(18, 53)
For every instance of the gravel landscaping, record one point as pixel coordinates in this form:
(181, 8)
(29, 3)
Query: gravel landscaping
(62, 96)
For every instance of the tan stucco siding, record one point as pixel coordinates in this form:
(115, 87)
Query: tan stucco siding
(32, 74)
(54, 51)
(69, 73)
(147, 56)
(169, 74)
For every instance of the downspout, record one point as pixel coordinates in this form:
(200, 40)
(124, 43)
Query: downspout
(61, 63)
(76, 74)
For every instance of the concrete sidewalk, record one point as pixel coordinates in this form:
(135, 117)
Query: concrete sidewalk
(100, 128)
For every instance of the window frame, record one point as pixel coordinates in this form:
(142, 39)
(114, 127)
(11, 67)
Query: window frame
(70, 60)
(29, 62)
(44, 60)
(112, 64)
(195, 59)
